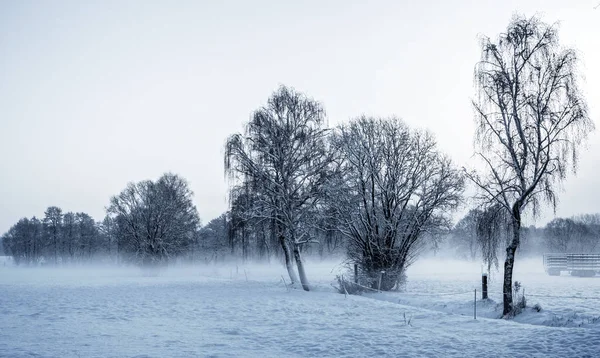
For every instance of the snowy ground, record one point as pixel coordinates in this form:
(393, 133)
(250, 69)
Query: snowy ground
(566, 301)
(246, 311)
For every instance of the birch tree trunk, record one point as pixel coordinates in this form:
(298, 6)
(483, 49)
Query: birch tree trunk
(509, 263)
(300, 265)
(288, 260)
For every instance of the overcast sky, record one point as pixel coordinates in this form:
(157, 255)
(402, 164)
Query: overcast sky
(97, 94)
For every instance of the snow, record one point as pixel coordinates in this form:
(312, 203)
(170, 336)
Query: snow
(246, 311)
(448, 286)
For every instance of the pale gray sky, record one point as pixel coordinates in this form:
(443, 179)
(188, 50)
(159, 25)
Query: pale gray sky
(94, 94)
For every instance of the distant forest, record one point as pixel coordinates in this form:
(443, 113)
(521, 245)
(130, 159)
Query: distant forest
(73, 238)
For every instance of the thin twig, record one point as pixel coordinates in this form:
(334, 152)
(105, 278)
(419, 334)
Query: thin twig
(285, 284)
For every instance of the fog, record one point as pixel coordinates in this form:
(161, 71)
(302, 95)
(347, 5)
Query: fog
(321, 273)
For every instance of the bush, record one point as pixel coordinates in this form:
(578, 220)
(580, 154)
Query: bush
(376, 271)
(519, 302)
(348, 287)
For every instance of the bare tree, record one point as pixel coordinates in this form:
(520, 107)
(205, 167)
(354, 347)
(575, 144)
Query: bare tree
(560, 234)
(87, 235)
(69, 247)
(156, 221)
(59, 238)
(395, 187)
(531, 117)
(571, 235)
(212, 239)
(282, 157)
(244, 227)
(592, 221)
(53, 225)
(592, 224)
(107, 230)
(24, 241)
(464, 235)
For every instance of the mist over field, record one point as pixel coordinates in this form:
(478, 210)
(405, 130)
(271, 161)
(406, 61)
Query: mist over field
(245, 310)
(321, 271)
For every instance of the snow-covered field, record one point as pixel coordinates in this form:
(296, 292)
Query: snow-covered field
(246, 311)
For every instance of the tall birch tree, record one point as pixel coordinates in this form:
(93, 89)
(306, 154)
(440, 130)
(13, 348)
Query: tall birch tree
(531, 119)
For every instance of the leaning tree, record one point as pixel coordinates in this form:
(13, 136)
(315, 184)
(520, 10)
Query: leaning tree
(282, 158)
(531, 118)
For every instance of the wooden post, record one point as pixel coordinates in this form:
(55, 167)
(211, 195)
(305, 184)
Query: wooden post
(484, 286)
(475, 305)
(355, 273)
(380, 279)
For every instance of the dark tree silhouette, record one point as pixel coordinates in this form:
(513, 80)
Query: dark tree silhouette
(156, 221)
(531, 119)
(282, 157)
(395, 187)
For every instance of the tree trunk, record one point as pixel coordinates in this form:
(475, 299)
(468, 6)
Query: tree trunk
(55, 249)
(300, 265)
(510, 261)
(288, 259)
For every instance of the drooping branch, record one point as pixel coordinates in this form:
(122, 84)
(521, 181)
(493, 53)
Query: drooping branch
(531, 117)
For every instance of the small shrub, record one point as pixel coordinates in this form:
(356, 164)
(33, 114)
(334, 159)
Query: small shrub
(516, 287)
(522, 302)
(537, 307)
(348, 287)
(519, 303)
(408, 320)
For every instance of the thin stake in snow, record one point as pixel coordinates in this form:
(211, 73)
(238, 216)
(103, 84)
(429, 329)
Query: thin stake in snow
(285, 284)
(380, 279)
(475, 305)
(344, 286)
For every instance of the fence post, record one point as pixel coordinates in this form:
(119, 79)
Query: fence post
(484, 286)
(380, 279)
(355, 273)
(475, 305)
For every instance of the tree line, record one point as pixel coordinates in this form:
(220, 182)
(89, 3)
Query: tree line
(578, 234)
(148, 223)
(57, 237)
